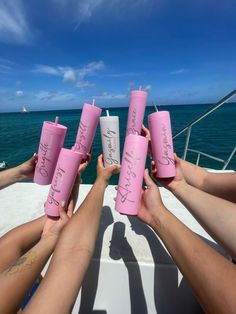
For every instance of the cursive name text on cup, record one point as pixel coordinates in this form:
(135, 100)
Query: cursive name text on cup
(110, 137)
(132, 129)
(56, 186)
(42, 165)
(130, 176)
(83, 130)
(167, 148)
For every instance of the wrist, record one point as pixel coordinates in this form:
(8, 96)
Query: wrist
(17, 174)
(159, 218)
(179, 187)
(101, 182)
(49, 239)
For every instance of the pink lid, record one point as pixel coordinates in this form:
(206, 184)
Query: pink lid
(157, 114)
(55, 128)
(93, 108)
(136, 138)
(138, 93)
(70, 152)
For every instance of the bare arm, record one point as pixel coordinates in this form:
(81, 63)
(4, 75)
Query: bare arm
(211, 276)
(219, 184)
(19, 240)
(73, 253)
(16, 280)
(19, 173)
(215, 214)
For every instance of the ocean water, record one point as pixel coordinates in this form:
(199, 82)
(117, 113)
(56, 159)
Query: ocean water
(214, 135)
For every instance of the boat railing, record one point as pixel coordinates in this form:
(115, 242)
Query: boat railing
(188, 129)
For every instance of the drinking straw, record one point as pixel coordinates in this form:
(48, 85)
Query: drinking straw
(93, 103)
(140, 87)
(155, 106)
(107, 112)
(56, 120)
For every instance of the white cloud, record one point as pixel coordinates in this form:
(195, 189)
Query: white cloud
(6, 66)
(46, 69)
(131, 86)
(91, 68)
(19, 93)
(85, 10)
(14, 27)
(82, 11)
(148, 88)
(180, 71)
(5, 69)
(70, 74)
(84, 84)
(107, 96)
(117, 75)
(55, 96)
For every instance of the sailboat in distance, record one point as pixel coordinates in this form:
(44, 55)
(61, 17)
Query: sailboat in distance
(24, 110)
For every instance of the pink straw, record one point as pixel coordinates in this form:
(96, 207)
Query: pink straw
(56, 120)
(93, 103)
(140, 87)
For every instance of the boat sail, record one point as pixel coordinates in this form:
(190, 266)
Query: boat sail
(24, 110)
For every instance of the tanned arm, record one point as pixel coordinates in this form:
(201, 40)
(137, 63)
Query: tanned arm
(73, 252)
(211, 276)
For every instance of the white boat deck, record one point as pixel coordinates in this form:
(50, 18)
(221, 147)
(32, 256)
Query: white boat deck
(131, 271)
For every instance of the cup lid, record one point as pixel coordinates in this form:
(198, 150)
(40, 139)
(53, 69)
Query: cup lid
(138, 93)
(56, 128)
(136, 138)
(93, 108)
(157, 114)
(109, 118)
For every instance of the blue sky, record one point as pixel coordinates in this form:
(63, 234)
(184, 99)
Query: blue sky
(58, 54)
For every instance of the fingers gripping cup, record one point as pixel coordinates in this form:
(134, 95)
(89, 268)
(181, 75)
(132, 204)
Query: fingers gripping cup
(110, 140)
(87, 128)
(63, 180)
(137, 105)
(51, 141)
(131, 175)
(162, 145)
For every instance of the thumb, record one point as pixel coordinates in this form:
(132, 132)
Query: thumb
(177, 159)
(114, 168)
(150, 184)
(62, 211)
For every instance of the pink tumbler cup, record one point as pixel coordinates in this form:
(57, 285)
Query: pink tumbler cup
(137, 105)
(63, 180)
(51, 142)
(162, 145)
(87, 128)
(131, 175)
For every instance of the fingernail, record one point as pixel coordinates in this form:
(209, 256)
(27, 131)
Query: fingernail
(63, 203)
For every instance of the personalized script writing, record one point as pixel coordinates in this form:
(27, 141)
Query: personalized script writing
(83, 129)
(132, 129)
(56, 186)
(165, 158)
(130, 176)
(111, 148)
(42, 165)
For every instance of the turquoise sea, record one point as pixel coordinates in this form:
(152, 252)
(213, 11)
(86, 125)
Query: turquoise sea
(215, 135)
